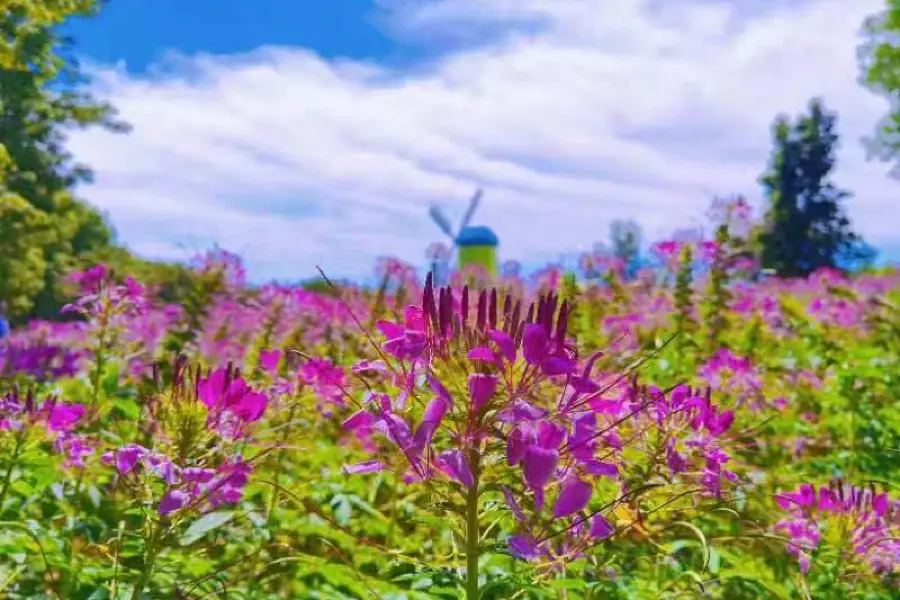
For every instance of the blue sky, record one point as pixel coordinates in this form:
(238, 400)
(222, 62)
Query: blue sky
(140, 32)
(306, 134)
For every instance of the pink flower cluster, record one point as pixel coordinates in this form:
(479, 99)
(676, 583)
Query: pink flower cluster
(871, 520)
(185, 486)
(231, 403)
(59, 420)
(100, 295)
(734, 375)
(525, 391)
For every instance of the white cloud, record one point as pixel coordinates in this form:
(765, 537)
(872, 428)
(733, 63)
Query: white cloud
(569, 113)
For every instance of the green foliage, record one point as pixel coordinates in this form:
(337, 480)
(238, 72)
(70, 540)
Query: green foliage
(715, 305)
(684, 321)
(24, 231)
(879, 63)
(805, 227)
(40, 100)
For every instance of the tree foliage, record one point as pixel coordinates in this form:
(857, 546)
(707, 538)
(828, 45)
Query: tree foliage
(805, 227)
(46, 230)
(879, 62)
(625, 239)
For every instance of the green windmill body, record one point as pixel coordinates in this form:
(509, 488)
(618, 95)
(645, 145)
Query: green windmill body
(478, 246)
(475, 245)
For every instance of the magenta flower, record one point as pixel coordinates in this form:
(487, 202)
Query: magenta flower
(481, 389)
(539, 465)
(573, 497)
(173, 500)
(228, 396)
(601, 528)
(455, 465)
(64, 417)
(369, 466)
(126, 458)
(269, 360)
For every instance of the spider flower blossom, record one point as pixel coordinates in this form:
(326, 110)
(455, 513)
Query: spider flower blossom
(184, 486)
(231, 403)
(457, 388)
(20, 414)
(18, 411)
(871, 519)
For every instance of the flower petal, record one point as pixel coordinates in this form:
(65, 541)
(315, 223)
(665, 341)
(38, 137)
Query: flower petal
(573, 497)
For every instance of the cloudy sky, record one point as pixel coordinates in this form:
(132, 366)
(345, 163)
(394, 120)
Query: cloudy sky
(302, 133)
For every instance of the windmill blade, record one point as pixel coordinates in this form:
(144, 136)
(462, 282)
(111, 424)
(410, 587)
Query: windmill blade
(438, 216)
(470, 212)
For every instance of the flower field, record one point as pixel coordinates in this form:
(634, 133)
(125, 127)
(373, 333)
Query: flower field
(685, 433)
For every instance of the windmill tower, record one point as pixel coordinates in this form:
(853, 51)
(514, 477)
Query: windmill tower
(474, 244)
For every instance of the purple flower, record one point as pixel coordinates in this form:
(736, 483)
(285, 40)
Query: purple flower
(434, 414)
(521, 411)
(515, 447)
(482, 353)
(173, 500)
(603, 469)
(269, 360)
(601, 528)
(455, 465)
(535, 344)
(361, 419)
(222, 393)
(164, 468)
(126, 458)
(523, 547)
(64, 417)
(573, 497)
(197, 475)
(512, 504)
(506, 343)
(369, 466)
(539, 465)
(481, 389)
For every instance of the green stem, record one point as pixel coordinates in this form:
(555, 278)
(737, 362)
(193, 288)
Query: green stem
(273, 500)
(72, 573)
(473, 533)
(99, 360)
(149, 562)
(7, 478)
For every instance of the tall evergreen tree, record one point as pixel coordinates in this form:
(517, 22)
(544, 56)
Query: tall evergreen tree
(805, 227)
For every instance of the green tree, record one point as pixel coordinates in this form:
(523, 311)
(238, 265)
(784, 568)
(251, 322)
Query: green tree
(879, 63)
(24, 231)
(41, 99)
(625, 239)
(805, 227)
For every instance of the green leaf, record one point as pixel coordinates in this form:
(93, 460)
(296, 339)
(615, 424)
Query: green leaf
(204, 525)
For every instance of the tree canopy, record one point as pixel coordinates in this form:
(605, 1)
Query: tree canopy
(805, 227)
(879, 61)
(45, 230)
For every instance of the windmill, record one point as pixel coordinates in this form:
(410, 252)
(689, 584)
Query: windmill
(474, 244)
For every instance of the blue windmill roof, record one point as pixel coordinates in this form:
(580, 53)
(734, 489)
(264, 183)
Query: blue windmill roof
(477, 235)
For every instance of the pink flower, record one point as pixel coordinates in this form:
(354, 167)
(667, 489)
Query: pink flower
(539, 465)
(455, 465)
(173, 500)
(64, 417)
(369, 466)
(481, 389)
(269, 360)
(223, 394)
